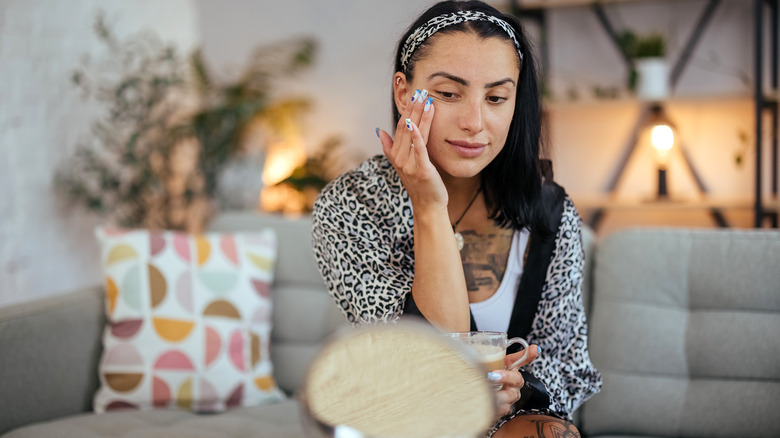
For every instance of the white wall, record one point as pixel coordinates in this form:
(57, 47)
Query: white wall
(46, 246)
(349, 85)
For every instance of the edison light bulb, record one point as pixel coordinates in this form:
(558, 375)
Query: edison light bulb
(662, 138)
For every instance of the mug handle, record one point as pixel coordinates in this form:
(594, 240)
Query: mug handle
(525, 351)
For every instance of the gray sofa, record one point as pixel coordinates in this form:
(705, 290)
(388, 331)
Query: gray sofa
(684, 327)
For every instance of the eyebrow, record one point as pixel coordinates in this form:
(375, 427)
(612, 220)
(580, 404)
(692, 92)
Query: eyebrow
(465, 83)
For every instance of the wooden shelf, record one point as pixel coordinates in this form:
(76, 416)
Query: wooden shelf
(622, 101)
(772, 97)
(672, 204)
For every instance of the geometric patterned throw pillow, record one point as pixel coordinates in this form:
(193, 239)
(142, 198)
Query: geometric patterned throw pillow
(189, 320)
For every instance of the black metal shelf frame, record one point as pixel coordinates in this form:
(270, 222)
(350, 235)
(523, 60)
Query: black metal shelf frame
(766, 101)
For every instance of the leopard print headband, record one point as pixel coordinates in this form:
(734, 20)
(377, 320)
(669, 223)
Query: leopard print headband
(436, 24)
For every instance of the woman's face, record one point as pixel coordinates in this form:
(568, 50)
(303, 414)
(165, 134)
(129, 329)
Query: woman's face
(473, 83)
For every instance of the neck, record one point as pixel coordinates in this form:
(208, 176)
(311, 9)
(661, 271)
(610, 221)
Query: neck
(461, 192)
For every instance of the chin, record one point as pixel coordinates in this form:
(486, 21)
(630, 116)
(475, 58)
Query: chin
(463, 170)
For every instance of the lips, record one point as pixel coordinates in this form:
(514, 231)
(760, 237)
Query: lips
(467, 149)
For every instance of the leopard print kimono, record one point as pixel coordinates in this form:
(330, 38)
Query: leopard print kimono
(363, 244)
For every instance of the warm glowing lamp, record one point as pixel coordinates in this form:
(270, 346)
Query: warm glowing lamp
(662, 139)
(282, 158)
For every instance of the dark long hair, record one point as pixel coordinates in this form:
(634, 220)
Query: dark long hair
(512, 182)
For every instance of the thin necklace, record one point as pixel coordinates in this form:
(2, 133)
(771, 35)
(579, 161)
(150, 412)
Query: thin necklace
(458, 236)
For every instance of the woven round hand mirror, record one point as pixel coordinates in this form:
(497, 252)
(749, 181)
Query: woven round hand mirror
(404, 380)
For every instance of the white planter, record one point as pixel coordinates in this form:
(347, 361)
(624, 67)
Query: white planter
(653, 79)
(240, 182)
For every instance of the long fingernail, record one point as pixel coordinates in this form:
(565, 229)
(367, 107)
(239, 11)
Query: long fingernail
(416, 95)
(409, 124)
(494, 376)
(424, 93)
(428, 104)
(377, 132)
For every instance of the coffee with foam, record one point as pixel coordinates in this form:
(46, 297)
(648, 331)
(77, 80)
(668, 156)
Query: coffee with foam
(491, 356)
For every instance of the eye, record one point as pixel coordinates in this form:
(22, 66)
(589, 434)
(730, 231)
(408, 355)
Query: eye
(446, 95)
(496, 99)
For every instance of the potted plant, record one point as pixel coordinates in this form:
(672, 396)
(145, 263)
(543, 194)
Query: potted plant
(648, 76)
(169, 128)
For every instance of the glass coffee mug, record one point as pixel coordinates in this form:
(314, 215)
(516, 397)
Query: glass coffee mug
(491, 348)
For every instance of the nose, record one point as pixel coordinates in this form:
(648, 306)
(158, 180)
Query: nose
(470, 119)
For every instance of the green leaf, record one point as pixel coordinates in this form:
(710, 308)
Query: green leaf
(202, 75)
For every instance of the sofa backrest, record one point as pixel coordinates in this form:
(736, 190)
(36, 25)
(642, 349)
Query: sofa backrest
(303, 312)
(49, 351)
(685, 327)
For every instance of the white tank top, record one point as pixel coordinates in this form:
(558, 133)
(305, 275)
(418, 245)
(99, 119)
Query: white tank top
(494, 313)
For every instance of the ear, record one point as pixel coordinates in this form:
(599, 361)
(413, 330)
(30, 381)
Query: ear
(401, 92)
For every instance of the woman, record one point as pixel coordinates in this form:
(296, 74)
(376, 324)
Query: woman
(456, 222)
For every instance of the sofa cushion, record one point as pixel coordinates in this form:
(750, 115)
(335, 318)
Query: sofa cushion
(279, 420)
(684, 329)
(189, 320)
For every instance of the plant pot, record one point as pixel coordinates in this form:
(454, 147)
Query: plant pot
(240, 182)
(653, 78)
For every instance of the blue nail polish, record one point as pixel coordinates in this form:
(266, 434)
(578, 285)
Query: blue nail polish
(494, 376)
(416, 95)
(428, 104)
(409, 124)
(377, 133)
(424, 94)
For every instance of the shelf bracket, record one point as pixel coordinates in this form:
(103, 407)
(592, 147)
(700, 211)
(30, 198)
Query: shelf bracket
(691, 43)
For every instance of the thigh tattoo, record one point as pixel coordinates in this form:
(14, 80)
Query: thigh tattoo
(550, 427)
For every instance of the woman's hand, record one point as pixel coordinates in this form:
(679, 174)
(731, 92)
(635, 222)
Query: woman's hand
(512, 380)
(409, 154)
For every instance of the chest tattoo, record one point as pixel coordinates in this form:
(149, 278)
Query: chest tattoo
(484, 257)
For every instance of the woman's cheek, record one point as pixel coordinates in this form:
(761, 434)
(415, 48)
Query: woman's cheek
(499, 124)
